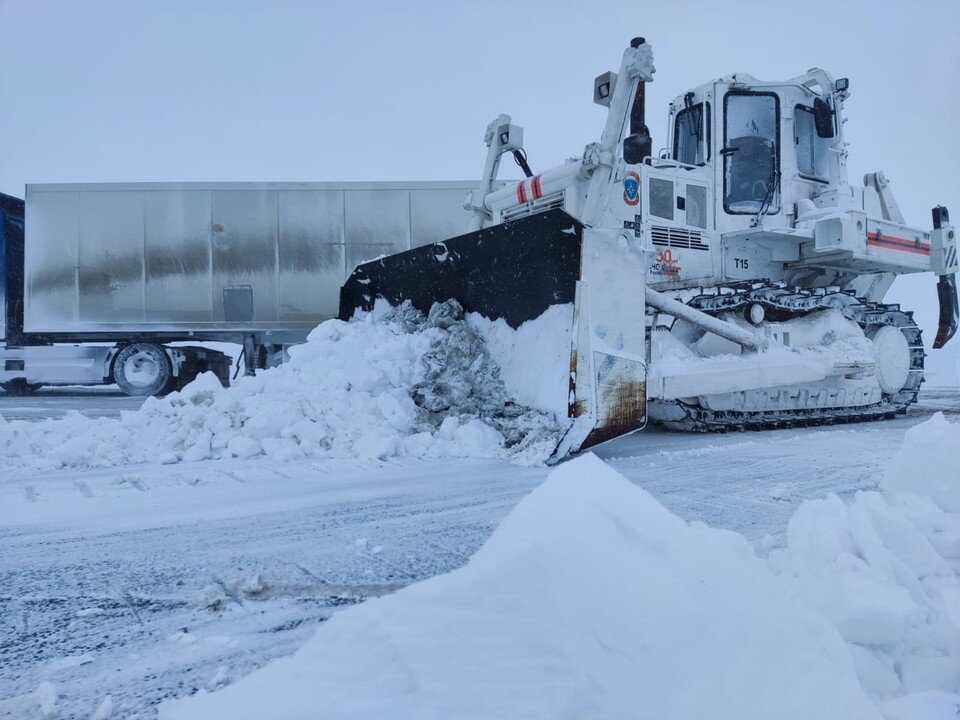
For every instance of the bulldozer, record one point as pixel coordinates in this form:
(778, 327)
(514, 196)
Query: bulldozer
(734, 280)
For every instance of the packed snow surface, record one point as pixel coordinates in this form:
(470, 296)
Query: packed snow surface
(534, 359)
(590, 600)
(396, 383)
(138, 549)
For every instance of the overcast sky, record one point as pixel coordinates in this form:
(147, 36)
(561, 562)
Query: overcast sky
(123, 90)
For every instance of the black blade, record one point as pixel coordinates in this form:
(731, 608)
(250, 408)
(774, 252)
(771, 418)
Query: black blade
(513, 271)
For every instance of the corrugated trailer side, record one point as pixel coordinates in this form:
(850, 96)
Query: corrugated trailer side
(215, 260)
(115, 277)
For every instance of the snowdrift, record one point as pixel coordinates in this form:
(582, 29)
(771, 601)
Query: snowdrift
(590, 601)
(882, 569)
(396, 384)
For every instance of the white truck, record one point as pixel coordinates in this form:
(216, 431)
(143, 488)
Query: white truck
(116, 282)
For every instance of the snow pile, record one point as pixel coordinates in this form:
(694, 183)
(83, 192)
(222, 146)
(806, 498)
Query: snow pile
(883, 569)
(928, 463)
(394, 384)
(534, 359)
(589, 601)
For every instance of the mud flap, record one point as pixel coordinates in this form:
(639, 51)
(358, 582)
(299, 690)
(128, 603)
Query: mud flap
(516, 271)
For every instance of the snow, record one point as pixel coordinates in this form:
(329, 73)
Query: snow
(534, 359)
(46, 698)
(139, 544)
(182, 531)
(104, 710)
(882, 569)
(590, 600)
(932, 705)
(395, 384)
(822, 339)
(927, 463)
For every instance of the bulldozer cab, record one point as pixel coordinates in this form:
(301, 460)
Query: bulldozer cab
(601, 236)
(767, 145)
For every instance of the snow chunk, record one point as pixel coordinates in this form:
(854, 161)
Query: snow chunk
(534, 359)
(925, 464)
(69, 661)
(104, 710)
(395, 383)
(926, 706)
(883, 569)
(590, 600)
(90, 612)
(47, 696)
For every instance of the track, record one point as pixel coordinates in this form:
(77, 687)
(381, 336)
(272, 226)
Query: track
(782, 302)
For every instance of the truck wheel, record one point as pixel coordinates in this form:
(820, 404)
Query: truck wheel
(142, 369)
(20, 387)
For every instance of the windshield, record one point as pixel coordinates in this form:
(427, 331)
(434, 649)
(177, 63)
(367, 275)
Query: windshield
(751, 153)
(691, 135)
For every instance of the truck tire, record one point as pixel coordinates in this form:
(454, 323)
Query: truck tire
(20, 387)
(143, 369)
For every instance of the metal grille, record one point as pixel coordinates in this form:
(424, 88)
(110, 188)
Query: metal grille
(547, 202)
(677, 238)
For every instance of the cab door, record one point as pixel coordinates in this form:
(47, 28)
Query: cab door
(751, 155)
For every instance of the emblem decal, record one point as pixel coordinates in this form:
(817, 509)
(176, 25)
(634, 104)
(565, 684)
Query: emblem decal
(631, 188)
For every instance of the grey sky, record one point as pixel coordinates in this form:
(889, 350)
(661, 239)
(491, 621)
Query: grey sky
(238, 90)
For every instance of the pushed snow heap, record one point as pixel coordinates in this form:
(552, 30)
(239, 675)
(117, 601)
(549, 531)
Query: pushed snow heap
(395, 383)
(883, 568)
(590, 600)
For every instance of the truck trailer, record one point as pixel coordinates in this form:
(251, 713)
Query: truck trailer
(115, 282)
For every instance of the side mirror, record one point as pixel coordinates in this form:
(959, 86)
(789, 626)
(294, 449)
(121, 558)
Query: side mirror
(636, 148)
(823, 118)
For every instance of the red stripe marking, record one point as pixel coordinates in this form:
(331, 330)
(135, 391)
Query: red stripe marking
(535, 186)
(521, 193)
(894, 243)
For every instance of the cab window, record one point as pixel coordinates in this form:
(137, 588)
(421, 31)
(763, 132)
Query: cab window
(812, 150)
(751, 152)
(691, 135)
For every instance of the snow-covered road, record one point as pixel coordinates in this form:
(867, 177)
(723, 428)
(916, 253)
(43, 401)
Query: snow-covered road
(145, 582)
(55, 402)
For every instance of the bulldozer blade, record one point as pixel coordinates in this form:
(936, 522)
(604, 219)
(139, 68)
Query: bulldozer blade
(513, 271)
(516, 271)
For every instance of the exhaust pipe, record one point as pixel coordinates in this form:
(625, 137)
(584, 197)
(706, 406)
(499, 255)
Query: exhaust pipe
(638, 144)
